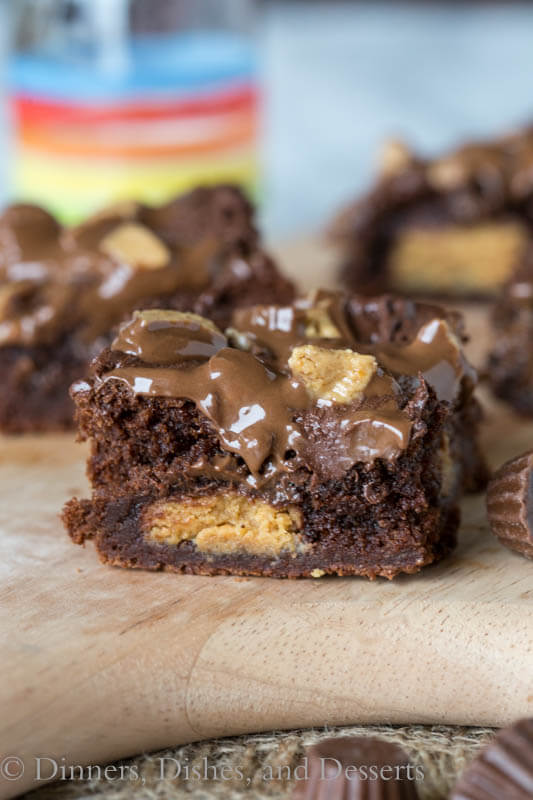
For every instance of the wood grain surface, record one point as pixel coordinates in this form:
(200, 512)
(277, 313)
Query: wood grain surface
(99, 663)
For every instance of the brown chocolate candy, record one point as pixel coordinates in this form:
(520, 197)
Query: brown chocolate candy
(503, 770)
(357, 768)
(510, 504)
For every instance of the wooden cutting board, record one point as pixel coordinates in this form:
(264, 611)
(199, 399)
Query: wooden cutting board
(99, 663)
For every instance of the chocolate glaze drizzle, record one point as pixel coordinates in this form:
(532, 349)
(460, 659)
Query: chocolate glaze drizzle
(261, 411)
(170, 338)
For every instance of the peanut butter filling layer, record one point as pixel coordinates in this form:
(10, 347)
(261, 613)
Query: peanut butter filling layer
(224, 524)
(457, 258)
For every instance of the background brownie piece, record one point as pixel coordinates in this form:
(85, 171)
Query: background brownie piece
(63, 290)
(455, 225)
(331, 436)
(510, 363)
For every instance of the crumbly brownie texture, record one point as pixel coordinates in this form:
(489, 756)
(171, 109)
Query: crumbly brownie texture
(331, 436)
(62, 290)
(456, 225)
(510, 363)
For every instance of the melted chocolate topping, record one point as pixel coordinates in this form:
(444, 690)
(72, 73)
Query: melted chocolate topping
(250, 405)
(265, 414)
(431, 348)
(168, 337)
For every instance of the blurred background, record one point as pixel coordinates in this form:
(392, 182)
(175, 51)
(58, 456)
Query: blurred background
(107, 99)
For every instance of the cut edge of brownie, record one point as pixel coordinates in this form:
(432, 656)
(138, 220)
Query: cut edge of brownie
(118, 543)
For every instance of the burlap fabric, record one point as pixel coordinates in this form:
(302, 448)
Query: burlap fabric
(258, 766)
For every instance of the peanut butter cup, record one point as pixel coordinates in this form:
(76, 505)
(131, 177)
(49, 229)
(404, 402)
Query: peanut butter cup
(358, 768)
(510, 504)
(503, 770)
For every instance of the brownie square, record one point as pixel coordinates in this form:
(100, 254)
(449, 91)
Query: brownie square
(331, 436)
(64, 290)
(455, 225)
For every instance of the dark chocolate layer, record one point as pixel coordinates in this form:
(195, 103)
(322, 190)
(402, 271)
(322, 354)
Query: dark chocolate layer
(394, 540)
(510, 363)
(35, 386)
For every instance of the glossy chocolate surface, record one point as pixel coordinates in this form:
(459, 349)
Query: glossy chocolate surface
(263, 412)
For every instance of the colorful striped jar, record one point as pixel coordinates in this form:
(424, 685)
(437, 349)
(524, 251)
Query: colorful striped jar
(120, 114)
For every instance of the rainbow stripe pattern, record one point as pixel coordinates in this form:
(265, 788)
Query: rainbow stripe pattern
(182, 111)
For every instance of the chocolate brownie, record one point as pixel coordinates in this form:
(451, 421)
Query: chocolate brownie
(334, 435)
(63, 290)
(455, 225)
(510, 363)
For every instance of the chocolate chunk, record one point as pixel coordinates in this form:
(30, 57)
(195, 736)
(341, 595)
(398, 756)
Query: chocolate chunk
(510, 504)
(224, 214)
(357, 768)
(503, 770)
